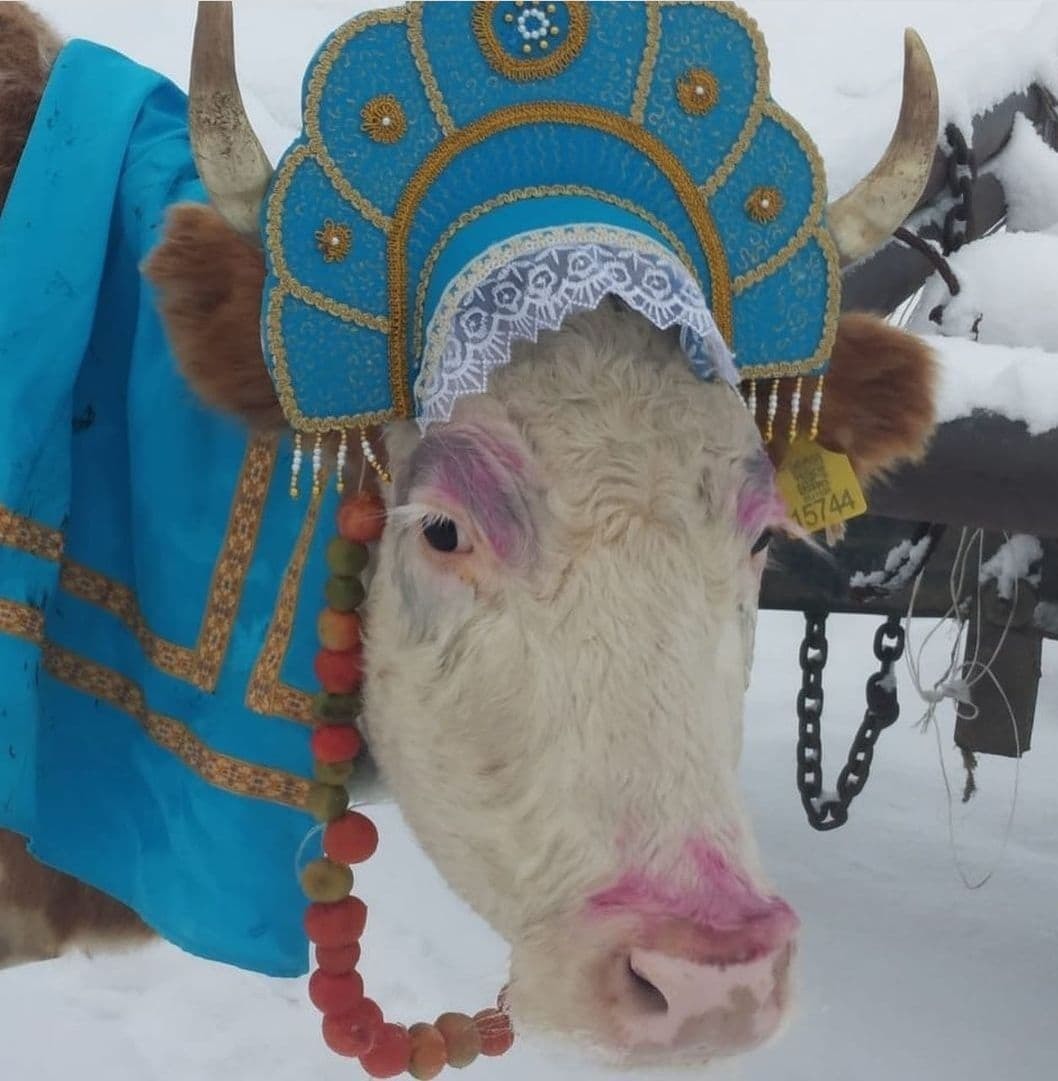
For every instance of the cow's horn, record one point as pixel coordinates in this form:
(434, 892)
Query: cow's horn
(230, 159)
(864, 218)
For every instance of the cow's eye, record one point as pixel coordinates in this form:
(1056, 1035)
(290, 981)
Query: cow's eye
(441, 534)
(761, 542)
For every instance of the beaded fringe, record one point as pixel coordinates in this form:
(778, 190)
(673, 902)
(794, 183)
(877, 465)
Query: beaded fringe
(342, 458)
(767, 429)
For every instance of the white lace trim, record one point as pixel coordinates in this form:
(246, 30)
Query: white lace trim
(533, 281)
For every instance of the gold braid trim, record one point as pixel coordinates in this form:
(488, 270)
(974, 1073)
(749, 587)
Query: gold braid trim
(810, 226)
(538, 67)
(830, 327)
(199, 665)
(290, 284)
(503, 120)
(366, 209)
(342, 36)
(426, 75)
(646, 66)
(265, 693)
(21, 621)
(515, 196)
(756, 110)
(220, 770)
(26, 535)
(119, 601)
(285, 388)
(240, 542)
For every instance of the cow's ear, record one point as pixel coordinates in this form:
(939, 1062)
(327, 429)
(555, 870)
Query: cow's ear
(209, 281)
(878, 400)
(879, 395)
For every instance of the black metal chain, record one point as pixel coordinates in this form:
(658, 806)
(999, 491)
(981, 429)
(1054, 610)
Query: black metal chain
(825, 810)
(962, 172)
(830, 810)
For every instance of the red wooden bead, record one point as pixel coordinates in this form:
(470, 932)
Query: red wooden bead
(362, 518)
(350, 839)
(335, 743)
(338, 958)
(390, 1054)
(495, 1031)
(339, 672)
(353, 1033)
(335, 993)
(338, 923)
(339, 630)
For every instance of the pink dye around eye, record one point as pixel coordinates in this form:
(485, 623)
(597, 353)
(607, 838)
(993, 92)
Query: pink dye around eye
(485, 476)
(759, 503)
(757, 510)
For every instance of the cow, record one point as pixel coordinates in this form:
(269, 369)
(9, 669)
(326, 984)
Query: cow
(560, 617)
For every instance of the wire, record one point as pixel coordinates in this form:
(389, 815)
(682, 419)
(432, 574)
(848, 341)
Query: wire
(959, 686)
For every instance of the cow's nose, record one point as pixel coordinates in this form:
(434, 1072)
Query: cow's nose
(684, 986)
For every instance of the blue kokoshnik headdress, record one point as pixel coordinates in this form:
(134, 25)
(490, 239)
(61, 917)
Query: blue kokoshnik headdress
(470, 174)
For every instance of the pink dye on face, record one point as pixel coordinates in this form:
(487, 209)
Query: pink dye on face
(722, 901)
(759, 504)
(484, 475)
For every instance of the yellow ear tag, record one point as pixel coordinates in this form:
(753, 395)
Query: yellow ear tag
(819, 486)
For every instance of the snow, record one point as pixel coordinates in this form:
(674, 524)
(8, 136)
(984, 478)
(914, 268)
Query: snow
(997, 346)
(837, 67)
(906, 556)
(1021, 384)
(905, 974)
(1013, 561)
(1010, 57)
(1028, 170)
(986, 309)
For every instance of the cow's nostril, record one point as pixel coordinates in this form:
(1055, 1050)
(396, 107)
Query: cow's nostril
(647, 995)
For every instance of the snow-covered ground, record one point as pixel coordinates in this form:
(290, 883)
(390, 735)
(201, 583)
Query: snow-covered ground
(906, 974)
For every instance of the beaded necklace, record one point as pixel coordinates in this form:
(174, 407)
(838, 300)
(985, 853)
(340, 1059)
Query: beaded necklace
(354, 1025)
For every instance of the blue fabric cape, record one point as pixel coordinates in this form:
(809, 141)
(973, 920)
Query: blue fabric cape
(154, 663)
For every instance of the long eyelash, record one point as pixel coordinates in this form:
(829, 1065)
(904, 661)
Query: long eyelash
(412, 516)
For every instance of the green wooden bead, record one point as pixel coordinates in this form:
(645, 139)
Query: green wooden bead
(326, 802)
(344, 594)
(336, 708)
(346, 558)
(326, 881)
(334, 773)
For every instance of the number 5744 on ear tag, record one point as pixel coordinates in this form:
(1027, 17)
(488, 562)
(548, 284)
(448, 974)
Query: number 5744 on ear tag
(819, 486)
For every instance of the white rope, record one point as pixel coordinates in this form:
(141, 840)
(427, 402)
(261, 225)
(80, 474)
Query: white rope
(956, 682)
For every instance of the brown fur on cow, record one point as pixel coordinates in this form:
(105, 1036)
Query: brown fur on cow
(878, 397)
(27, 48)
(209, 281)
(42, 912)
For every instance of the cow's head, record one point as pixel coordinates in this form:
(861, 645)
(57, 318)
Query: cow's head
(560, 633)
